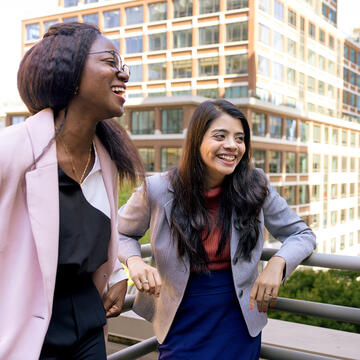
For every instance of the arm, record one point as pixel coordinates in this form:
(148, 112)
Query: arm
(134, 220)
(298, 242)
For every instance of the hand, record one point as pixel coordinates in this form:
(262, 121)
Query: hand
(267, 284)
(114, 299)
(146, 278)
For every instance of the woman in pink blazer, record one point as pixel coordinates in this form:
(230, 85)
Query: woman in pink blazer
(59, 171)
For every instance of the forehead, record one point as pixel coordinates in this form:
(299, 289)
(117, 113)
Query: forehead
(226, 122)
(102, 43)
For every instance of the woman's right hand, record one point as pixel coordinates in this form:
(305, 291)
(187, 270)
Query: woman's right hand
(146, 278)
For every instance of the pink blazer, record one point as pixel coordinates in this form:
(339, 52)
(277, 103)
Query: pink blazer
(29, 233)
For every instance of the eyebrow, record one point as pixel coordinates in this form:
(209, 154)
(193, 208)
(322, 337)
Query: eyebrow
(226, 131)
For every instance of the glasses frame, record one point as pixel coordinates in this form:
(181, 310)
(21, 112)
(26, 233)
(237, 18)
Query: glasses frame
(120, 67)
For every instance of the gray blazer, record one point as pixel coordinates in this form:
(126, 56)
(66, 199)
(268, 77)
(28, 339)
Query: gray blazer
(152, 208)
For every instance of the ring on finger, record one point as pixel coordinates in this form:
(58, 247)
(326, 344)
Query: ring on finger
(145, 281)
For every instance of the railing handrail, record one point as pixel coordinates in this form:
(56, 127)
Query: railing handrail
(329, 311)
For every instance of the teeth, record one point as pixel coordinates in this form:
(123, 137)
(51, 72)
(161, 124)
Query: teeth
(227, 157)
(117, 89)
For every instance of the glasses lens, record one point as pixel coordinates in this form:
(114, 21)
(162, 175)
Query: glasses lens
(126, 70)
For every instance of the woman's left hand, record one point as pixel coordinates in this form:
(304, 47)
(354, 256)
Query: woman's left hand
(114, 299)
(266, 286)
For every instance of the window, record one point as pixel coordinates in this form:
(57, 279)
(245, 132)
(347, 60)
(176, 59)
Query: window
(157, 71)
(143, 122)
(134, 15)
(69, 3)
(264, 5)
(237, 4)
(331, 67)
(303, 162)
(290, 129)
(136, 73)
(92, 19)
(70, 19)
(331, 42)
(264, 65)
(33, 32)
(351, 239)
(236, 64)
(157, 11)
(17, 119)
(322, 36)
(343, 190)
(333, 216)
(352, 164)
(351, 213)
(344, 164)
(172, 121)
(169, 157)
(278, 71)
(47, 24)
(292, 18)
(335, 136)
(208, 93)
(334, 191)
(181, 92)
(344, 138)
(147, 156)
(275, 162)
(111, 19)
(290, 162)
(315, 195)
(316, 163)
(90, 1)
(334, 163)
(321, 62)
(352, 189)
(290, 194)
(259, 159)
(134, 44)
(182, 38)
(311, 84)
(291, 47)
(317, 133)
(182, 69)
(343, 216)
(303, 194)
(290, 76)
(353, 56)
(156, 94)
(321, 88)
(302, 24)
(311, 57)
(236, 92)
(182, 8)
(312, 30)
(264, 34)
(157, 41)
(209, 35)
(342, 242)
(278, 10)
(237, 31)
(258, 124)
(352, 139)
(208, 6)
(117, 44)
(278, 41)
(275, 127)
(304, 131)
(209, 66)
(333, 245)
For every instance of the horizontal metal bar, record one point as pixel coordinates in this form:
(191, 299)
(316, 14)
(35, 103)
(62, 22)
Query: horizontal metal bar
(328, 311)
(276, 353)
(135, 351)
(128, 303)
(341, 262)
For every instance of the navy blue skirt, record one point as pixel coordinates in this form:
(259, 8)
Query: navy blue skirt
(209, 323)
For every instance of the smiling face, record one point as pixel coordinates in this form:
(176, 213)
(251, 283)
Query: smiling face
(222, 148)
(102, 86)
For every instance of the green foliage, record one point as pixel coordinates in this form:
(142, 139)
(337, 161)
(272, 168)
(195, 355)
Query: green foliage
(125, 192)
(336, 287)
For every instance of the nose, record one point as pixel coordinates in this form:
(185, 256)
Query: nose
(230, 144)
(123, 76)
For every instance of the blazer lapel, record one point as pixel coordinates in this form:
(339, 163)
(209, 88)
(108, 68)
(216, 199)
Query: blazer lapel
(42, 194)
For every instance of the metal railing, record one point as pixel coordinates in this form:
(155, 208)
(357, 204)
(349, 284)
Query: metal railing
(333, 312)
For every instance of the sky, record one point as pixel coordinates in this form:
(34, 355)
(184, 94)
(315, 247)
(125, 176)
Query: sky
(12, 12)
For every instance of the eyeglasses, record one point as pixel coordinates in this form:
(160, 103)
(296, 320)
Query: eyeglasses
(118, 63)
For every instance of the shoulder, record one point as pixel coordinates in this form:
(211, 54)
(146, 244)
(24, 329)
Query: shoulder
(158, 187)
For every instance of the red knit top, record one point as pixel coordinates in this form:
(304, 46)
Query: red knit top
(211, 244)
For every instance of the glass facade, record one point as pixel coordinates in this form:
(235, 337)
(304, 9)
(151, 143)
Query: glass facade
(92, 19)
(143, 122)
(182, 38)
(134, 44)
(182, 8)
(172, 121)
(148, 157)
(209, 66)
(209, 6)
(258, 157)
(157, 41)
(111, 19)
(158, 11)
(170, 157)
(236, 64)
(134, 15)
(275, 162)
(209, 35)
(33, 32)
(237, 31)
(182, 69)
(258, 124)
(275, 127)
(157, 71)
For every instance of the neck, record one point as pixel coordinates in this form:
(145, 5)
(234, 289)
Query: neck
(77, 132)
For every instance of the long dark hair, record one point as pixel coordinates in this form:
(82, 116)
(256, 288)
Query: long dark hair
(48, 77)
(243, 192)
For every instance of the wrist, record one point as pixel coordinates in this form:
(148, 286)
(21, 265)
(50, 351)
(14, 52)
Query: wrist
(133, 259)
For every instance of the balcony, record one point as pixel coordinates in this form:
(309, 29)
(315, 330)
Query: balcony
(281, 340)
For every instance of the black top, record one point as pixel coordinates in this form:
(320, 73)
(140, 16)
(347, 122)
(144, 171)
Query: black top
(83, 246)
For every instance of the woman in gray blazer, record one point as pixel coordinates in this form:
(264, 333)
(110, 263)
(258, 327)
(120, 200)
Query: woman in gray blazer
(206, 219)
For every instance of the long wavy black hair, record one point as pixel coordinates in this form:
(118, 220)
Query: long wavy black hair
(48, 77)
(243, 192)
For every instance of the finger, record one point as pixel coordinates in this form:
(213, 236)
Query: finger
(157, 282)
(145, 282)
(267, 298)
(138, 284)
(275, 293)
(108, 302)
(259, 298)
(151, 283)
(253, 293)
(115, 310)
